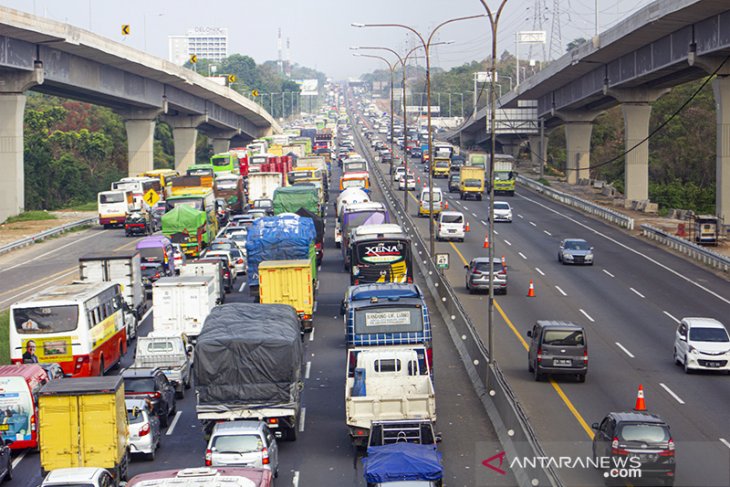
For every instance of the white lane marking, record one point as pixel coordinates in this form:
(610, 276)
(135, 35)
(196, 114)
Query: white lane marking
(723, 440)
(560, 291)
(548, 233)
(314, 310)
(19, 458)
(587, 316)
(144, 316)
(496, 232)
(671, 316)
(637, 292)
(54, 251)
(456, 202)
(653, 261)
(42, 284)
(625, 350)
(295, 479)
(243, 285)
(520, 216)
(311, 335)
(483, 222)
(671, 393)
(465, 207)
(533, 224)
(302, 417)
(507, 242)
(604, 270)
(522, 255)
(174, 423)
(307, 370)
(475, 215)
(538, 270)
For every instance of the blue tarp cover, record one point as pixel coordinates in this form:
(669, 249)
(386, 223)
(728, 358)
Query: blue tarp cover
(402, 461)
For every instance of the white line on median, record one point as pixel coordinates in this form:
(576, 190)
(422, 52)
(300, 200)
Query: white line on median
(625, 350)
(295, 479)
(243, 285)
(671, 393)
(507, 242)
(723, 440)
(174, 423)
(311, 335)
(548, 233)
(637, 292)
(587, 316)
(560, 291)
(307, 370)
(19, 458)
(604, 270)
(538, 270)
(671, 316)
(302, 417)
(144, 316)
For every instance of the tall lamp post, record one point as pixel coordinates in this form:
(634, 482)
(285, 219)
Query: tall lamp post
(493, 21)
(403, 60)
(392, 70)
(426, 46)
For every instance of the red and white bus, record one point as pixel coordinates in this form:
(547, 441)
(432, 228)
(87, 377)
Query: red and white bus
(19, 386)
(79, 326)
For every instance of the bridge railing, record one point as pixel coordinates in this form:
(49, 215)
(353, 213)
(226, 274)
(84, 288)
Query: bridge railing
(602, 212)
(46, 234)
(694, 251)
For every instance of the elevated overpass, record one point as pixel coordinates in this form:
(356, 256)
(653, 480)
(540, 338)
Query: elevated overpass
(51, 57)
(665, 44)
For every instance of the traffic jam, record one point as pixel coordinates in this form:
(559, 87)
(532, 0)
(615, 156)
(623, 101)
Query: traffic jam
(252, 219)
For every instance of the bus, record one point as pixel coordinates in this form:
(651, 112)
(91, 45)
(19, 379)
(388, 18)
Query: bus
(79, 326)
(19, 386)
(113, 207)
(225, 162)
(164, 175)
(380, 253)
(139, 186)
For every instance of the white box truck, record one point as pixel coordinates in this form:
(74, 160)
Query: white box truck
(261, 185)
(182, 303)
(207, 269)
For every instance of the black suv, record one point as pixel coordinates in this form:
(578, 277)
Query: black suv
(152, 384)
(635, 440)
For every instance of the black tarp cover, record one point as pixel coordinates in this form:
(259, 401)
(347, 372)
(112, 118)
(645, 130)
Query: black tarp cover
(318, 223)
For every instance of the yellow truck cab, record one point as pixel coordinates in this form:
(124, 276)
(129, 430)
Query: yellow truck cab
(471, 182)
(441, 167)
(289, 282)
(84, 424)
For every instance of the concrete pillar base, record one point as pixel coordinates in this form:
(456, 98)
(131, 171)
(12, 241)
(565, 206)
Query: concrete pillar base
(578, 151)
(636, 130)
(140, 144)
(220, 145)
(12, 182)
(721, 89)
(185, 139)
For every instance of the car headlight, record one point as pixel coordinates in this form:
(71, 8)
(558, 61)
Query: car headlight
(508, 215)
(568, 256)
(693, 350)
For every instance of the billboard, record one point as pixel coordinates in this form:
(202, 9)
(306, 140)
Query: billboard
(308, 87)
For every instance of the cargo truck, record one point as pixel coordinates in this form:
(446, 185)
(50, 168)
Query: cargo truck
(84, 424)
(171, 353)
(290, 199)
(261, 185)
(375, 390)
(504, 174)
(289, 282)
(471, 182)
(182, 303)
(248, 365)
(121, 266)
(441, 167)
(214, 269)
(187, 227)
(477, 159)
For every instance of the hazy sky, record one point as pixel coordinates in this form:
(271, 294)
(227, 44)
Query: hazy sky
(319, 30)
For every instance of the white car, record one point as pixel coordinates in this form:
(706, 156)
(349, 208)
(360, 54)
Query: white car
(88, 476)
(702, 344)
(407, 181)
(502, 212)
(223, 253)
(398, 172)
(144, 428)
(451, 226)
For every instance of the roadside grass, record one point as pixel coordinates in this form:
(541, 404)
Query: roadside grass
(28, 216)
(89, 206)
(4, 339)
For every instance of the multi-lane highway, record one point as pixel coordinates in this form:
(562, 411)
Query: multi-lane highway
(629, 301)
(322, 454)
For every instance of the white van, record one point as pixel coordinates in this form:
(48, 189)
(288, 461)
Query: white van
(451, 226)
(423, 202)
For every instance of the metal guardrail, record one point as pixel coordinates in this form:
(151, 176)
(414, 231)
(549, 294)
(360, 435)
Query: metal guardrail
(510, 421)
(692, 250)
(600, 211)
(45, 234)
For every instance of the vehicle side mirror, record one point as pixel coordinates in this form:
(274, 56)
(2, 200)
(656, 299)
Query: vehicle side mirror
(595, 426)
(591, 248)
(466, 266)
(438, 438)
(189, 349)
(529, 334)
(682, 338)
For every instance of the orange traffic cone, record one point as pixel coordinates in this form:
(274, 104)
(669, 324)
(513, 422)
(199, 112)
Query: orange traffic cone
(504, 262)
(446, 205)
(640, 403)
(424, 184)
(531, 290)
(486, 241)
(419, 179)
(466, 228)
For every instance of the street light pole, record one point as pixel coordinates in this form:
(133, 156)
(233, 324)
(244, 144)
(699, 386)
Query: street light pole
(426, 46)
(493, 21)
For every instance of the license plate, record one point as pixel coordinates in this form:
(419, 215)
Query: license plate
(112, 221)
(714, 364)
(452, 230)
(562, 363)
(4, 427)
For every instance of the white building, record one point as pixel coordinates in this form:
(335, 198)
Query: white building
(205, 42)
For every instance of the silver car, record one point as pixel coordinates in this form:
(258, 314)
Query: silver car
(242, 444)
(144, 428)
(575, 251)
(477, 275)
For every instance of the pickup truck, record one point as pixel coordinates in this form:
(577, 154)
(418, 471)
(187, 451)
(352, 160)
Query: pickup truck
(386, 383)
(170, 353)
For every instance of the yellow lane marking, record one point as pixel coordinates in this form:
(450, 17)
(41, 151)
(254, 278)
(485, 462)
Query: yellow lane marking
(461, 256)
(572, 409)
(511, 326)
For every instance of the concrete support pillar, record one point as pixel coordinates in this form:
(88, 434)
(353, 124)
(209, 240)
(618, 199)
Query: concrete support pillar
(578, 150)
(185, 136)
(12, 182)
(13, 85)
(221, 139)
(636, 131)
(220, 145)
(140, 145)
(721, 88)
(535, 156)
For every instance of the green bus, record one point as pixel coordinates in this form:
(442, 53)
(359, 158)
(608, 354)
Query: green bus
(224, 162)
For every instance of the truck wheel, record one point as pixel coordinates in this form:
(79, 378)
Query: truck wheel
(9, 473)
(291, 435)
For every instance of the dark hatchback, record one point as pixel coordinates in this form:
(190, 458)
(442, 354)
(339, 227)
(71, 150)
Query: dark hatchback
(152, 384)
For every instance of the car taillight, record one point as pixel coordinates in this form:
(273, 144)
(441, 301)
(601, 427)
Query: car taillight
(429, 357)
(615, 450)
(239, 261)
(145, 430)
(273, 420)
(585, 356)
(265, 456)
(80, 361)
(410, 280)
(156, 395)
(208, 458)
(539, 354)
(157, 275)
(669, 452)
(226, 274)
(32, 423)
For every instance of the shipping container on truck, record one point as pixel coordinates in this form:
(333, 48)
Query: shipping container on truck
(182, 303)
(120, 266)
(289, 282)
(84, 424)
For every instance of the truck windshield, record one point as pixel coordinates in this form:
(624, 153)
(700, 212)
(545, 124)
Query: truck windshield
(503, 176)
(221, 161)
(227, 183)
(389, 319)
(196, 203)
(356, 219)
(472, 183)
(46, 319)
(107, 198)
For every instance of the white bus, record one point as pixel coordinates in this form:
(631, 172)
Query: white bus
(139, 187)
(113, 207)
(79, 326)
